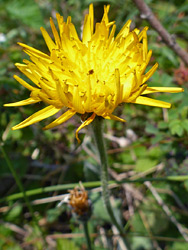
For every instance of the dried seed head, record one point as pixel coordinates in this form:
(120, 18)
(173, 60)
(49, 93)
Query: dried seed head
(80, 203)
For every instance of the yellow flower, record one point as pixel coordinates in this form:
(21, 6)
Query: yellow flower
(92, 75)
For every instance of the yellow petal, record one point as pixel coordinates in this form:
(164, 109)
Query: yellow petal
(145, 44)
(117, 90)
(127, 86)
(73, 32)
(105, 16)
(22, 103)
(113, 117)
(108, 25)
(29, 71)
(87, 122)
(38, 116)
(77, 101)
(150, 90)
(88, 25)
(124, 31)
(55, 33)
(111, 36)
(24, 83)
(91, 14)
(87, 104)
(62, 95)
(68, 19)
(151, 102)
(60, 22)
(86, 30)
(137, 93)
(142, 33)
(63, 118)
(51, 45)
(150, 73)
(33, 51)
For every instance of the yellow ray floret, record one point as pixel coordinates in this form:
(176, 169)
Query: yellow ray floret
(38, 116)
(92, 75)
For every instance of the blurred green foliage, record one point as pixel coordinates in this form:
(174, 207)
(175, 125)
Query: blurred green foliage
(44, 158)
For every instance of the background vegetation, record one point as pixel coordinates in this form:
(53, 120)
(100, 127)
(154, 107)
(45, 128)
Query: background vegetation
(150, 147)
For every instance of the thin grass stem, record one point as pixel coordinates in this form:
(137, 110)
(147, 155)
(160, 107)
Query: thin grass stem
(91, 184)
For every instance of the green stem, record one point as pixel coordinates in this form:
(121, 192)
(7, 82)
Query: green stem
(99, 140)
(91, 184)
(18, 182)
(86, 232)
(20, 186)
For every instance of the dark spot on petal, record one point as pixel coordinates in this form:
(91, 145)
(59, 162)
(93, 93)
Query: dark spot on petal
(91, 71)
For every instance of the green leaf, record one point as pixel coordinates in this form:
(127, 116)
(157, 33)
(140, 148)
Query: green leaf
(166, 79)
(137, 224)
(53, 214)
(141, 243)
(185, 124)
(184, 112)
(145, 164)
(168, 53)
(157, 138)
(140, 151)
(155, 152)
(14, 213)
(99, 210)
(151, 129)
(27, 12)
(65, 244)
(176, 127)
(162, 125)
(179, 245)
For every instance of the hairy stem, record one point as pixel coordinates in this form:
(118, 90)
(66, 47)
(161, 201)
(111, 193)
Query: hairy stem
(99, 140)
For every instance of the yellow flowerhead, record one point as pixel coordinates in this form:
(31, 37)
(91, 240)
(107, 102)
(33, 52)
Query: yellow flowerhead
(92, 75)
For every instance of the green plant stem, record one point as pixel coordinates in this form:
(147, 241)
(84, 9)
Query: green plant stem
(18, 182)
(99, 140)
(91, 184)
(20, 186)
(86, 232)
